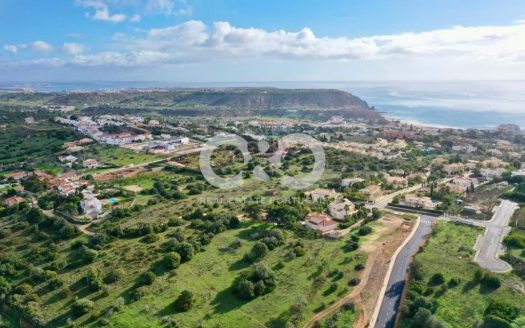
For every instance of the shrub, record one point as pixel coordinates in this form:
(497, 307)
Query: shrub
(351, 245)
(491, 281)
(453, 282)
(354, 282)
(148, 278)
(113, 276)
(81, 307)
(258, 251)
(185, 301)
(364, 230)
(359, 267)
(299, 251)
(139, 293)
(150, 238)
(503, 310)
(437, 279)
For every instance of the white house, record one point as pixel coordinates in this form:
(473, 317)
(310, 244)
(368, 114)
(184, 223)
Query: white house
(339, 209)
(321, 194)
(91, 206)
(419, 202)
(348, 182)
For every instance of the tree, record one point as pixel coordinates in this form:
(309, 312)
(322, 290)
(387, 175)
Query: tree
(421, 317)
(185, 301)
(93, 280)
(185, 250)
(376, 213)
(244, 289)
(33, 184)
(257, 281)
(171, 260)
(5, 287)
(253, 210)
(88, 255)
(424, 319)
(258, 251)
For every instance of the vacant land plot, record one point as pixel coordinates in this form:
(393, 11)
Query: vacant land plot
(211, 273)
(486, 197)
(446, 279)
(123, 157)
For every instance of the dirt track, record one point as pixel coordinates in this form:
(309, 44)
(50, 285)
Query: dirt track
(387, 237)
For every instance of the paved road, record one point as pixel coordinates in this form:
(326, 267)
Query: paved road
(490, 245)
(396, 283)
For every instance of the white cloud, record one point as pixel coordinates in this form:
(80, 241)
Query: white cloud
(38, 46)
(11, 48)
(169, 7)
(135, 18)
(104, 15)
(73, 48)
(194, 41)
(222, 40)
(101, 11)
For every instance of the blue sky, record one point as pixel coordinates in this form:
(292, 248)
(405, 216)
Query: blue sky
(247, 40)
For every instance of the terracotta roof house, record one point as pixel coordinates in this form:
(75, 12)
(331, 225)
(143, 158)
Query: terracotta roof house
(16, 175)
(12, 201)
(69, 176)
(91, 163)
(320, 222)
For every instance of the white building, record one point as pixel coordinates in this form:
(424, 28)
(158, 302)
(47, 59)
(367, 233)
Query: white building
(348, 182)
(321, 194)
(91, 206)
(339, 209)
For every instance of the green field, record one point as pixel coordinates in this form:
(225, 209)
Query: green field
(121, 156)
(449, 252)
(38, 144)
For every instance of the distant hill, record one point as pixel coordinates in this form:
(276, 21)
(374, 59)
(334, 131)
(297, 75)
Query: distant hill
(219, 101)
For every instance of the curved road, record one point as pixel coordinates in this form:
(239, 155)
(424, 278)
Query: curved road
(396, 283)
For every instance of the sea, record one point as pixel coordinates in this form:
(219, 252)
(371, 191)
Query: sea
(457, 104)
